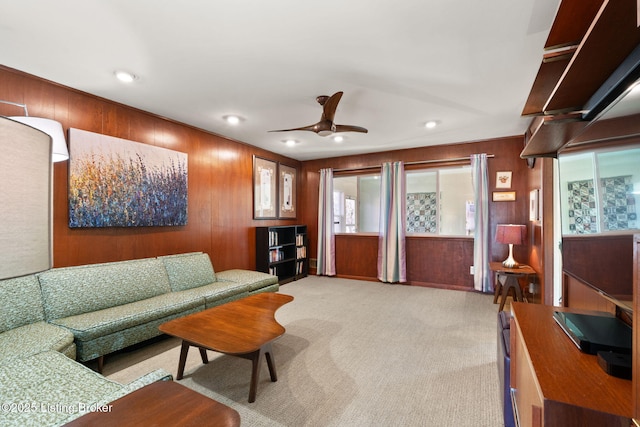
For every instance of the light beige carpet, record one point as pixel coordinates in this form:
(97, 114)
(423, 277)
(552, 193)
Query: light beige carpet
(355, 353)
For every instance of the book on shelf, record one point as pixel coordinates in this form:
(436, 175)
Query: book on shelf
(273, 238)
(300, 267)
(299, 239)
(301, 252)
(276, 255)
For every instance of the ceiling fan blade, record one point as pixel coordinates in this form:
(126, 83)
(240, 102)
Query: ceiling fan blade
(312, 128)
(330, 106)
(349, 128)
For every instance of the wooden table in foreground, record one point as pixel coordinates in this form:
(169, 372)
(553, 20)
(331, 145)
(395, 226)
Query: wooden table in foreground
(555, 384)
(164, 403)
(243, 328)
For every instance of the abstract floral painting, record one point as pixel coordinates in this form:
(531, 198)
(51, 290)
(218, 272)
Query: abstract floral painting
(115, 182)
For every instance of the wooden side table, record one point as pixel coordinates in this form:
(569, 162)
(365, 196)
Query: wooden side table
(511, 275)
(163, 403)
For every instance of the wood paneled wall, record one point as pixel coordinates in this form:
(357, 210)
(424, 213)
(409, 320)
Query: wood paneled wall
(431, 261)
(601, 261)
(541, 231)
(220, 192)
(220, 210)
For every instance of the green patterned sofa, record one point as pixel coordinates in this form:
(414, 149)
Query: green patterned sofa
(110, 306)
(85, 312)
(40, 383)
(49, 389)
(23, 329)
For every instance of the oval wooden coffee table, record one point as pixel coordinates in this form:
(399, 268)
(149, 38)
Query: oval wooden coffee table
(243, 328)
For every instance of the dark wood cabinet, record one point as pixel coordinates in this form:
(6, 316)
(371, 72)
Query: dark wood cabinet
(553, 383)
(282, 251)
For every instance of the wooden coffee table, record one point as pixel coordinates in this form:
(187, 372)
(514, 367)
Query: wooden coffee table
(243, 328)
(163, 403)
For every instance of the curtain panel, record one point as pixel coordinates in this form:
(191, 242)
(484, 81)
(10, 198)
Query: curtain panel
(480, 178)
(326, 265)
(391, 243)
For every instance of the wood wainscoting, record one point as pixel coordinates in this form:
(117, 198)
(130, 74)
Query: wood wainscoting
(440, 262)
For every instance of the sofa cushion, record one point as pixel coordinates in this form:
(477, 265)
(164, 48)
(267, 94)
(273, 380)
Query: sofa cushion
(46, 380)
(88, 326)
(187, 271)
(71, 291)
(36, 338)
(21, 302)
(255, 279)
(217, 293)
(55, 389)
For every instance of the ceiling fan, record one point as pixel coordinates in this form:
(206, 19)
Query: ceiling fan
(326, 126)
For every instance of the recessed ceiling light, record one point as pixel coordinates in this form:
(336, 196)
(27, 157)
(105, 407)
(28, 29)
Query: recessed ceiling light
(125, 76)
(338, 138)
(290, 142)
(431, 124)
(232, 119)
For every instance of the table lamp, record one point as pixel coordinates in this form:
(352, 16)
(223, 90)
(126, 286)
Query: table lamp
(511, 234)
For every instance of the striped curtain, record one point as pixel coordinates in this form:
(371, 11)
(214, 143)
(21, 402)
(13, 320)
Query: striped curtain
(326, 241)
(391, 243)
(480, 178)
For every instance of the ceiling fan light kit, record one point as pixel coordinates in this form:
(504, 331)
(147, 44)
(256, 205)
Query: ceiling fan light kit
(326, 126)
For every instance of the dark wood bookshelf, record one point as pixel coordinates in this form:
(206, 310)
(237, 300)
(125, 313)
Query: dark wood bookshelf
(282, 251)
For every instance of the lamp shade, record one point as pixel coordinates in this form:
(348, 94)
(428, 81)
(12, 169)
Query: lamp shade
(53, 129)
(514, 234)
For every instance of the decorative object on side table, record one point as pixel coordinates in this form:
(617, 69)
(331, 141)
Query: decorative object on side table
(511, 234)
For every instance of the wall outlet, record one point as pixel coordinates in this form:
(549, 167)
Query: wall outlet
(472, 270)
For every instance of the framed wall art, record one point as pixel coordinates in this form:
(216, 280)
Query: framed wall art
(503, 179)
(504, 196)
(265, 192)
(533, 205)
(287, 179)
(115, 182)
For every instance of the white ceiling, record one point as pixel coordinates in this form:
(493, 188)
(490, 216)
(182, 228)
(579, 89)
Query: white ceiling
(467, 64)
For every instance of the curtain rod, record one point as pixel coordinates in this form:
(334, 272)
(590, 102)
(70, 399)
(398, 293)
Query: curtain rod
(422, 162)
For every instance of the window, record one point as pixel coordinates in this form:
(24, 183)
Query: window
(437, 200)
(356, 203)
(600, 191)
